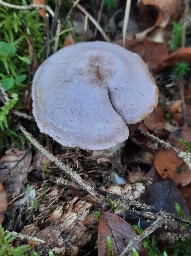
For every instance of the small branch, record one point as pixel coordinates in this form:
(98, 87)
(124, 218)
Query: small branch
(126, 20)
(56, 15)
(69, 13)
(69, 171)
(28, 7)
(137, 239)
(185, 15)
(47, 29)
(184, 114)
(25, 237)
(99, 16)
(57, 37)
(23, 115)
(186, 157)
(5, 97)
(82, 9)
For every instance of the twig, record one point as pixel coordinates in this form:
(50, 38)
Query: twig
(57, 36)
(186, 12)
(126, 19)
(69, 13)
(28, 7)
(99, 16)
(186, 157)
(56, 14)
(69, 171)
(5, 96)
(23, 115)
(47, 29)
(25, 237)
(82, 9)
(56, 25)
(137, 239)
(184, 112)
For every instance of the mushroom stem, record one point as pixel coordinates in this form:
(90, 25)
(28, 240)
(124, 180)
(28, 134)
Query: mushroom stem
(108, 152)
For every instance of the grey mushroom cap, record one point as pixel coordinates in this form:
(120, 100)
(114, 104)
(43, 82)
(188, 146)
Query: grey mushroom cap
(85, 94)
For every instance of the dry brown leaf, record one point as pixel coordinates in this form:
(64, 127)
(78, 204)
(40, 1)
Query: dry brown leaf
(175, 109)
(42, 12)
(69, 40)
(167, 9)
(3, 202)
(182, 54)
(119, 231)
(168, 165)
(40, 161)
(156, 120)
(186, 133)
(152, 53)
(14, 168)
(186, 191)
(163, 195)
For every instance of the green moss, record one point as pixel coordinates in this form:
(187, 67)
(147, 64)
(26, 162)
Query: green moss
(180, 70)
(110, 4)
(175, 42)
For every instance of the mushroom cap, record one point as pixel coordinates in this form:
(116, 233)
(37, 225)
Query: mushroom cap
(86, 93)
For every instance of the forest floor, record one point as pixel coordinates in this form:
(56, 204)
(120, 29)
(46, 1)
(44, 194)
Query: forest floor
(57, 200)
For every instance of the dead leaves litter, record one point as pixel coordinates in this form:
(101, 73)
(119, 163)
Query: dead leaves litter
(116, 231)
(3, 202)
(167, 9)
(169, 165)
(14, 168)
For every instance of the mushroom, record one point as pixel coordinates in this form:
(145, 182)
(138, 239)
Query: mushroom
(86, 94)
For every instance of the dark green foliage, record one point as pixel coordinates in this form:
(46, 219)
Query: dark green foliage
(180, 70)
(109, 246)
(6, 249)
(179, 210)
(150, 244)
(182, 248)
(175, 42)
(186, 144)
(5, 111)
(110, 4)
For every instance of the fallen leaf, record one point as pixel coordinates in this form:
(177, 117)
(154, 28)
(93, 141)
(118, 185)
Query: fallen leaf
(175, 109)
(14, 168)
(169, 165)
(186, 191)
(118, 230)
(187, 117)
(163, 195)
(167, 9)
(186, 134)
(69, 40)
(40, 162)
(156, 120)
(151, 52)
(181, 54)
(42, 12)
(3, 202)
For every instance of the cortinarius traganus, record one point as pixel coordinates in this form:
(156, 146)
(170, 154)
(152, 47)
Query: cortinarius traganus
(85, 95)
